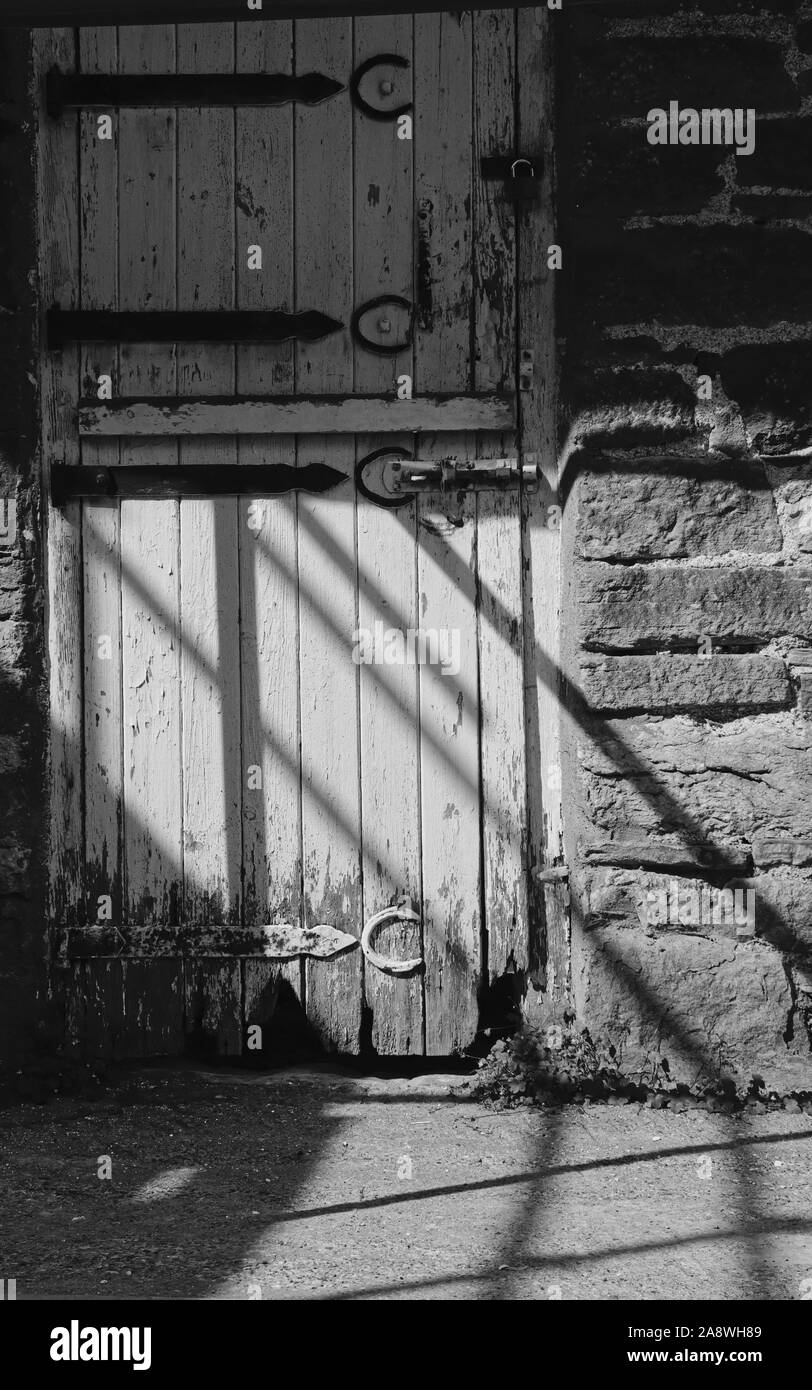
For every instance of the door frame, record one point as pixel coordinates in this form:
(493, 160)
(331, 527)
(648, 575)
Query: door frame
(549, 963)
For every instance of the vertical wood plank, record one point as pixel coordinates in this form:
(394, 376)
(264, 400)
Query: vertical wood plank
(59, 380)
(98, 166)
(501, 673)
(104, 1025)
(212, 998)
(153, 811)
(449, 704)
(327, 551)
(269, 603)
(387, 566)
(542, 550)
(210, 692)
(101, 981)
(272, 1000)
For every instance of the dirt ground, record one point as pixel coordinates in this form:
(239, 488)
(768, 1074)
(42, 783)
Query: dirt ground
(318, 1184)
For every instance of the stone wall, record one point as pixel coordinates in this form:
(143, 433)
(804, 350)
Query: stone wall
(27, 1024)
(685, 314)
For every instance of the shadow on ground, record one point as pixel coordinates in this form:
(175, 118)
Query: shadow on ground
(317, 1183)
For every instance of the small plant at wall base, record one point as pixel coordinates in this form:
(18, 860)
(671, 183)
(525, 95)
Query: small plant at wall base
(562, 1063)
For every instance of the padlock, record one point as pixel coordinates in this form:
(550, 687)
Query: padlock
(523, 188)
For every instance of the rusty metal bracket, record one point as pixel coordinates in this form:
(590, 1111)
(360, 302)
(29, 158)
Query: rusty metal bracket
(385, 963)
(377, 113)
(277, 941)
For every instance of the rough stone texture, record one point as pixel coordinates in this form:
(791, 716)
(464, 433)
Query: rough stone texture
(779, 910)
(626, 79)
(737, 781)
(670, 248)
(619, 175)
(671, 682)
(26, 1018)
(674, 509)
(771, 849)
(691, 850)
(770, 384)
(782, 157)
(729, 275)
(792, 491)
(680, 263)
(630, 607)
(623, 408)
(706, 1006)
(769, 206)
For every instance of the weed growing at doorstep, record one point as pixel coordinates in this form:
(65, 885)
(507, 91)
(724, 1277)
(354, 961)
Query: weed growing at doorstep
(562, 1063)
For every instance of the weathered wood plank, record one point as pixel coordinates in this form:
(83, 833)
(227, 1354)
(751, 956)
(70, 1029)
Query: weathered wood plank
(499, 567)
(209, 570)
(272, 1001)
(100, 1022)
(58, 233)
(357, 414)
(387, 560)
(153, 811)
(541, 534)
(153, 1008)
(269, 601)
(327, 555)
(35, 13)
(212, 999)
(449, 707)
(98, 176)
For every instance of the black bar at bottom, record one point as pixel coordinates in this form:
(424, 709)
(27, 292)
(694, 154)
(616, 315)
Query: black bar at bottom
(71, 481)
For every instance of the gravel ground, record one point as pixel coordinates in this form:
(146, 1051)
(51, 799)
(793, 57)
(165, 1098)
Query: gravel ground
(315, 1183)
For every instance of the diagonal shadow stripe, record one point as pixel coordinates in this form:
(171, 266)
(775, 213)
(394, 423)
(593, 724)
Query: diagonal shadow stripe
(779, 1226)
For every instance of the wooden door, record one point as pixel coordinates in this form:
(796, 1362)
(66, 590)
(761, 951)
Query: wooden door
(239, 738)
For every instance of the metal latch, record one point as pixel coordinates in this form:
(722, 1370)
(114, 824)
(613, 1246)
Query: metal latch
(399, 477)
(521, 176)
